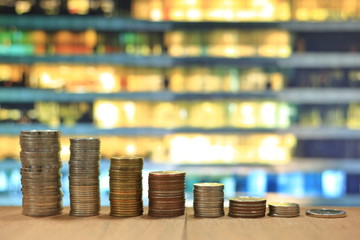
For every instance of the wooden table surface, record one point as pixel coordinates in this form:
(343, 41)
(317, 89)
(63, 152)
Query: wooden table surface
(13, 225)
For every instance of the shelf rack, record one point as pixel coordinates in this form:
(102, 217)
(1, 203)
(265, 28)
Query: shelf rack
(129, 24)
(302, 133)
(292, 95)
(89, 129)
(304, 60)
(28, 95)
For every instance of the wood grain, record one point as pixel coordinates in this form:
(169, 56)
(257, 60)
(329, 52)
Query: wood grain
(302, 227)
(13, 225)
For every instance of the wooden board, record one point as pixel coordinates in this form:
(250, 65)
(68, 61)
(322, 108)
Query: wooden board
(266, 228)
(13, 225)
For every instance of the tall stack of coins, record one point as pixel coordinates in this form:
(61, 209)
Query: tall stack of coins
(208, 199)
(284, 209)
(84, 177)
(40, 173)
(247, 207)
(166, 194)
(126, 186)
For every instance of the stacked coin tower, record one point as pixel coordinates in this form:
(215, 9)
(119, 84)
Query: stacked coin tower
(284, 209)
(40, 173)
(247, 207)
(208, 199)
(166, 194)
(84, 177)
(126, 186)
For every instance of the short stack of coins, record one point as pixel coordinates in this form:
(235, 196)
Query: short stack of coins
(247, 207)
(84, 177)
(284, 209)
(208, 200)
(166, 193)
(126, 186)
(40, 173)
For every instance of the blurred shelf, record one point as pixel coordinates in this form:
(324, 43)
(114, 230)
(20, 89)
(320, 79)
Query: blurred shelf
(327, 26)
(148, 61)
(83, 129)
(320, 132)
(297, 60)
(89, 129)
(320, 60)
(331, 95)
(292, 95)
(323, 132)
(118, 59)
(81, 23)
(129, 24)
(28, 95)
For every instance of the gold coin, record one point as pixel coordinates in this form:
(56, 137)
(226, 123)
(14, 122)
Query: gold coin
(247, 199)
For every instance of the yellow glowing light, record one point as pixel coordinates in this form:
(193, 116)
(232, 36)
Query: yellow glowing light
(228, 14)
(156, 14)
(177, 146)
(290, 140)
(271, 149)
(193, 14)
(271, 141)
(247, 111)
(106, 114)
(228, 153)
(108, 81)
(284, 51)
(65, 151)
(22, 7)
(284, 116)
(130, 110)
(214, 15)
(46, 79)
(243, 14)
(268, 113)
(230, 51)
(176, 15)
(200, 147)
(267, 11)
(130, 149)
(78, 6)
(191, 2)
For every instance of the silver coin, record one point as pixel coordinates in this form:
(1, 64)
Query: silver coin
(325, 213)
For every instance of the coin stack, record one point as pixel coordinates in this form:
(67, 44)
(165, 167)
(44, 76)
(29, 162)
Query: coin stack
(40, 173)
(284, 209)
(247, 207)
(166, 194)
(208, 200)
(84, 177)
(126, 186)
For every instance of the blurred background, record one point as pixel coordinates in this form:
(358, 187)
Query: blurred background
(261, 95)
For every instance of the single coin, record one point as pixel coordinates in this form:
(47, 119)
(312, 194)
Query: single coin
(325, 213)
(208, 185)
(164, 173)
(247, 199)
(283, 204)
